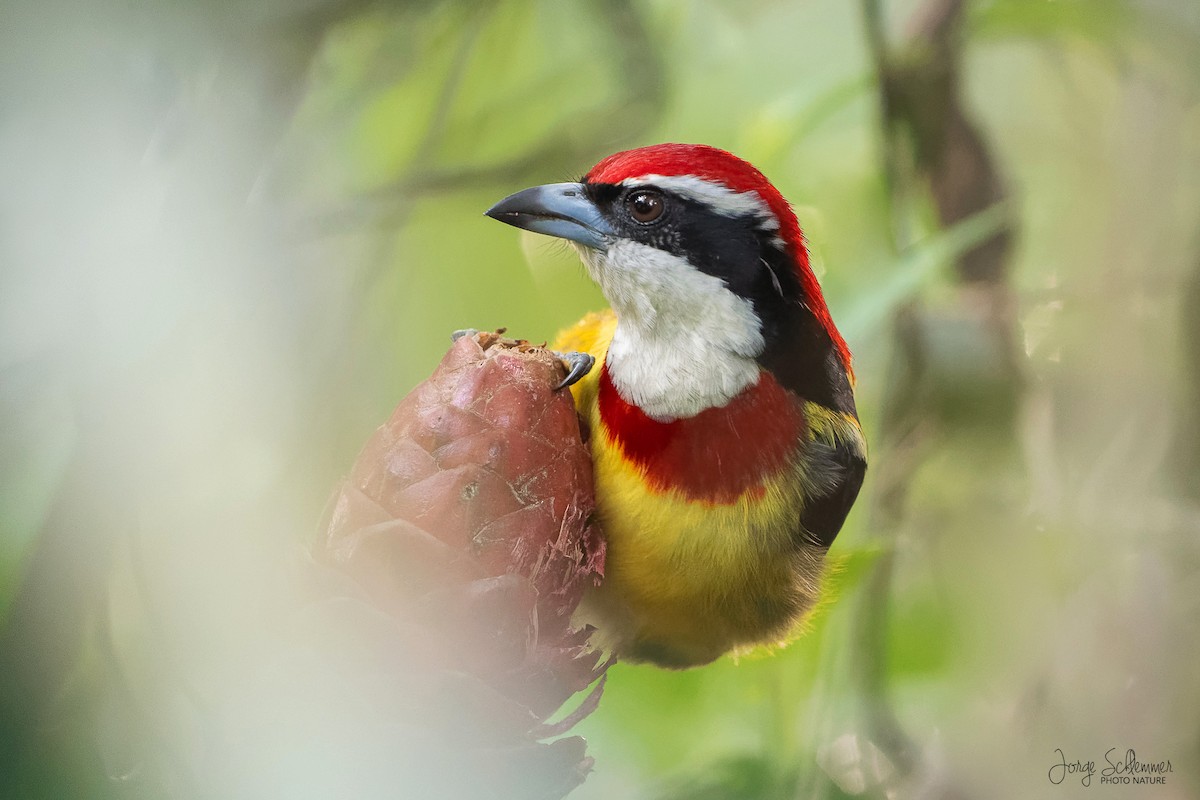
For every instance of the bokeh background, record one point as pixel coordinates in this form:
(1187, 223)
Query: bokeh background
(234, 234)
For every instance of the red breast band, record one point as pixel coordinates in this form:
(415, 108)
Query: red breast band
(716, 455)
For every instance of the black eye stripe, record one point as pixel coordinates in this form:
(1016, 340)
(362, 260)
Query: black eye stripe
(732, 248)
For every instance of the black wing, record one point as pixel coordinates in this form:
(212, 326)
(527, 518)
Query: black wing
(836, 468)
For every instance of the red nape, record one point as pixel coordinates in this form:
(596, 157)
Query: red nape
(720, 166)
(716, 455)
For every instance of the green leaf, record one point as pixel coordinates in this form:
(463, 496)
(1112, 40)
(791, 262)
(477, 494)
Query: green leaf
(921, 636)
(1120, 28)
(916, 268)
(783, 124)
(1103, 21)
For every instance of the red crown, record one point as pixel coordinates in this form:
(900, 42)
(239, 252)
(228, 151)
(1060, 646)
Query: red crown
(722, 167)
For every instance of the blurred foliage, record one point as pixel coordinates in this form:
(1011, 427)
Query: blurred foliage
(234, 234)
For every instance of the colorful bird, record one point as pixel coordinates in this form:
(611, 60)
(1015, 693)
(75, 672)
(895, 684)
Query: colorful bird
(726, 445)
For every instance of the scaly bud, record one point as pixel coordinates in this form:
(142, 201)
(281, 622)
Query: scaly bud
(468, 518)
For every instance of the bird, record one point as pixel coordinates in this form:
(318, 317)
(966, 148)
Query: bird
(725, 440)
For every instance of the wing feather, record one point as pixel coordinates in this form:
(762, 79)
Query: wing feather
(834, 464)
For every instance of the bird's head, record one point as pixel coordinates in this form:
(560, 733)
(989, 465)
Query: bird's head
(692, 246)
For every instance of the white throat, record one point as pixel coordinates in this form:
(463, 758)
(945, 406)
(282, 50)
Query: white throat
(684, 342)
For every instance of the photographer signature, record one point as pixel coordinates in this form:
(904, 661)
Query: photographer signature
(1127, 770)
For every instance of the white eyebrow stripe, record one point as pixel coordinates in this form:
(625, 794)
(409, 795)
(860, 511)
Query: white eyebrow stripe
(720, 198)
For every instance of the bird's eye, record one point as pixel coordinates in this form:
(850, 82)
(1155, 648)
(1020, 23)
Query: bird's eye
(645, 205)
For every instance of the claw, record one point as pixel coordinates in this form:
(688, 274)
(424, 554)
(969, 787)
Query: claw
(578, 364)
(461, 332)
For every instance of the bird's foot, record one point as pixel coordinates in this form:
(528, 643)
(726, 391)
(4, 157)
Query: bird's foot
(577, 364)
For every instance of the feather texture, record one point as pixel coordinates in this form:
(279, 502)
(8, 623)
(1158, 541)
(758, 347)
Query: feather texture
(703, 518)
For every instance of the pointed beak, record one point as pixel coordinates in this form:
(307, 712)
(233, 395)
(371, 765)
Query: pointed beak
(556, 209)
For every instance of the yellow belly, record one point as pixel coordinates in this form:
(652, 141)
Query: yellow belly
(686, 581)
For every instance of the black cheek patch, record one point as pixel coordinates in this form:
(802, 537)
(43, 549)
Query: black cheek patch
(716, 244)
